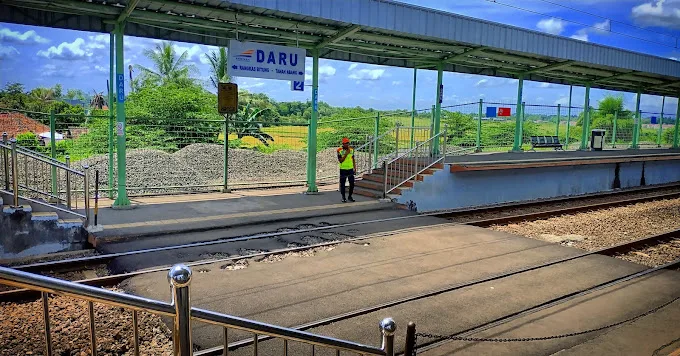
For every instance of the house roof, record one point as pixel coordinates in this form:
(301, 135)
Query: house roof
(14, 123)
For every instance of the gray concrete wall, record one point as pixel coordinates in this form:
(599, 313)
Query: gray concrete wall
(446, 190)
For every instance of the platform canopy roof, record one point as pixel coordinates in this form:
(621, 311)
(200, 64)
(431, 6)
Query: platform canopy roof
(366, 31)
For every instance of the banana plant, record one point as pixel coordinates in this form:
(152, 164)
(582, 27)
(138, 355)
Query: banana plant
(245, 124)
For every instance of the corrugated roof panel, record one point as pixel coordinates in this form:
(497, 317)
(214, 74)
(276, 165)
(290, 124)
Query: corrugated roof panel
(377, 13)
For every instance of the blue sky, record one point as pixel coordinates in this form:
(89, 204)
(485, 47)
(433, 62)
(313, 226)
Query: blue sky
(37, 56)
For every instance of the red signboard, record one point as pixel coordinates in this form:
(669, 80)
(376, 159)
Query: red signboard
(504, 112)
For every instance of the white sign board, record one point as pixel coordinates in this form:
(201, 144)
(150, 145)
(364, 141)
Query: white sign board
(120, 128)
(258, 60)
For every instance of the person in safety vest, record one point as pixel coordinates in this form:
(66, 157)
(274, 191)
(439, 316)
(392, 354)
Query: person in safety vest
(347, 168)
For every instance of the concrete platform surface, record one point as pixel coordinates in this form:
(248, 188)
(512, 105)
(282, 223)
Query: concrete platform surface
(513, 157)
(301, 289)
(172, 214)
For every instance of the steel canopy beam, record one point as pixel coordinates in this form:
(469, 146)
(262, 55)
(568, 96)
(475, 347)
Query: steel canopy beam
(339, 36)
(549, 67)
(613, 76)
(128, 10)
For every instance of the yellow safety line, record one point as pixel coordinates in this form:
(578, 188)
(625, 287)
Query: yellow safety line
(232, 216)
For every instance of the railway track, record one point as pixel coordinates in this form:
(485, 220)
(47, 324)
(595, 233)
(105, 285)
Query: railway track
(75, 264)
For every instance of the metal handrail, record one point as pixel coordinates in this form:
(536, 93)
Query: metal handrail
(417, 146)
(182, 313)
(417, 170)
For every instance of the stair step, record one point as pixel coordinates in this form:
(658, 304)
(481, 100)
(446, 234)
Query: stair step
(393, 180)
(420, 164)
(369, 184)
(368, 192)
(69, 223)
(8, 209)
(44, 216)
(428, 171)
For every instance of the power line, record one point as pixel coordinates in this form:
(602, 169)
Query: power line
(583, 24)
(607, 18)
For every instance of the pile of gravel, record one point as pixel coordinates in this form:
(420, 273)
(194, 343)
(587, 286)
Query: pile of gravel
(200, 164)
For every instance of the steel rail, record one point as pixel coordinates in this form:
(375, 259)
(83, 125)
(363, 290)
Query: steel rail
(549, 304)
(604, 251)
(78, 262)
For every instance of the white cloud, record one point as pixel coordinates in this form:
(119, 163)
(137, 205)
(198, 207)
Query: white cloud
(552, 26)
(580, 35)
(51, 70)
(494, 82)
(675, 59)
(326, 71)
(69, 51)
(367, 74)
(352, 66)
(483, 83)
(28, 37)
(7, 51)
(603, 27)
(396, 82)
(191, 51)
(101, 69)
(251, 85)
(662, 13)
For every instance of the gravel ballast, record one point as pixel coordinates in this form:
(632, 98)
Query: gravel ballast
(22, 330)
(607, 227)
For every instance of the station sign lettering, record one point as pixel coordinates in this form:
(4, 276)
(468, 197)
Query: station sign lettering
(259, 60)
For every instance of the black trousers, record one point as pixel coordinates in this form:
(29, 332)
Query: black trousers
(344, 175)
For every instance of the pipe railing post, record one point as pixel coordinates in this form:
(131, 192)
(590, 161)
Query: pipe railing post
(410, 345)
(5, 160)
(557, 128)
(68, 183)
(179, 278)
(53, 154)
(660, 132)
(384, 166)
(445, 137)
(388, 327)
(396, 140)
(376, 134)
(225, 167)
(15, 172)
(86, 193)
(676, 134)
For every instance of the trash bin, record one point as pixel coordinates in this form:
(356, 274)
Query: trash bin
(597, 140)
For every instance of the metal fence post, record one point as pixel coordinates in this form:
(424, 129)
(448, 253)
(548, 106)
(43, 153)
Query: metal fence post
(86, 193)
(410, 345)
(15, 172)
(478, 146)
(636, 130)
(676, 134)
(179, 278)
(225, 186)
(376, 134)
(616, 119)
(53, 152)
(396, 129)
(68, 183)
(445, 137)
(5, 160)
(658, 136)
(557, 128)
(388, 327)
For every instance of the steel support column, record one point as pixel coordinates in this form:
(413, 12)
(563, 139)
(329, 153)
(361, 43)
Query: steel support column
(638, 120)
(517, 145)
(112, 49)
(122, 198)
(566, 140)
(438, 104)
(585, 125)
(413, 108)
(658, 137)
(676, 137)
(311, 145)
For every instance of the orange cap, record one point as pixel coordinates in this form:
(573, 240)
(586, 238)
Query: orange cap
(345, 140)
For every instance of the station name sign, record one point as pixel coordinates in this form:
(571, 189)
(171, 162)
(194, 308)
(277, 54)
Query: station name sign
(259, 60)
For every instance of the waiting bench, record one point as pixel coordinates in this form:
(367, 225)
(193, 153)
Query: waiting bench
(545, 142)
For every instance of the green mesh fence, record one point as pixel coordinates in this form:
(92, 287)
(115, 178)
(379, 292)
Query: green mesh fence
(657, 130)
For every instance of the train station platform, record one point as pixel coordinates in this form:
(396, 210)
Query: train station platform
(172, 214)
(484, 179)
(384, 273)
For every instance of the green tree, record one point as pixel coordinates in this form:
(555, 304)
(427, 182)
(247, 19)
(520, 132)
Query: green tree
(75, 94)
(57, 90)
(218, 64)
(168, 67)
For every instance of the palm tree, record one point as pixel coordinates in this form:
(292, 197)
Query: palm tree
(43, 95)
(245, 124)
(169, 68)
(218, 62)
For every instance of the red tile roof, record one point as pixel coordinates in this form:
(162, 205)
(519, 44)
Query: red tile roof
(15, 123)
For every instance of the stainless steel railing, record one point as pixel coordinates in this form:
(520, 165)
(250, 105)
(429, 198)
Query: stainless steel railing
(179, 278)
(43, 180)
(411, 163)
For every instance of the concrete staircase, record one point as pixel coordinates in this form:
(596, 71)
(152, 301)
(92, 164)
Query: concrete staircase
(27, 232)
(372, 184)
